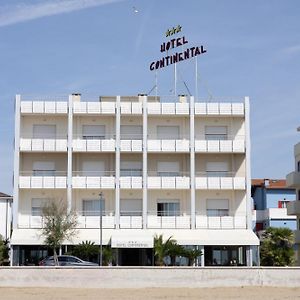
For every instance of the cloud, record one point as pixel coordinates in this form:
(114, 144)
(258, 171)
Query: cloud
(292, 49)
(24, 11)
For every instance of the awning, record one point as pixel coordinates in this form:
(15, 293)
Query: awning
(132, 239)
(35, 237)
(139, 238)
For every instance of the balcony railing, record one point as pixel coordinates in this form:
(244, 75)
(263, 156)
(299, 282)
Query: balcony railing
(43, 179)
(44, 107)
(210, 108)
(219, 180)
(106, 108)
(93, 179)
(49, 143)
(131, 142)
(174, 219)
(169, 143)
(220, 222)
(131, 219)
(220, 143)
(91, 219)
(168, 180)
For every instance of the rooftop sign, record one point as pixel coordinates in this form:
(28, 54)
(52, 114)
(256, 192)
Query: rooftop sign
(174, 43)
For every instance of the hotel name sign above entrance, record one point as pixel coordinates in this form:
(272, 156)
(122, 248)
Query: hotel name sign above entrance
(170, 59)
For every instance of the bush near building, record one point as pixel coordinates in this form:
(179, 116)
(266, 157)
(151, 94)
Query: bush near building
(4, 250)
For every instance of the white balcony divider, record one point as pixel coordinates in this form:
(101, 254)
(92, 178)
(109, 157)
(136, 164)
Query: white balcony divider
(168, 222)
(227, 182)
(44, 107)
(220, 222)
(28, 144)
(94, 108)
(233, 109)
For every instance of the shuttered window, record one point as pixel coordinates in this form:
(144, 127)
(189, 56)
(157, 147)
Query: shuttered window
(93, 132)
(44, 131)
(216, 132)
(217, 207)
(168, 132)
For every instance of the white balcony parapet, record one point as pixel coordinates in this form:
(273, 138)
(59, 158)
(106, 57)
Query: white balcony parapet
(131, 108)
(229, 181)
(92, 219)
(108, 108)
(181, 145)
(180, 221)
(220, 222)
(131, 220)
(156, 108)
(168, 182)
(94, 145)
(131, 182)
(45, 145)
(92, 181)
(42, 182)
(293, 180)
(44, 107)
(232, 145)
(131, 145)
(230, 109)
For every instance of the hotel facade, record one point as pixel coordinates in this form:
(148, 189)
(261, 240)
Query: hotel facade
(176, 167)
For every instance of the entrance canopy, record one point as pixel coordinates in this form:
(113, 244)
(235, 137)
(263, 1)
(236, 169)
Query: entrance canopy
(132, 239)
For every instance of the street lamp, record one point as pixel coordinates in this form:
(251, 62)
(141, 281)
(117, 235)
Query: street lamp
(100, 237)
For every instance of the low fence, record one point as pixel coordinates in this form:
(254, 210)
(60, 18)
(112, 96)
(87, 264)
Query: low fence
(148, 277)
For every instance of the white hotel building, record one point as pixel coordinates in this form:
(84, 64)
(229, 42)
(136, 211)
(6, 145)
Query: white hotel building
(180, 169)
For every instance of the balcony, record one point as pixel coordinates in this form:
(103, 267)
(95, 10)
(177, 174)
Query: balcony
(168, 180)
(44, 107)
(131, 220)
(232, 144)
(90, 220)
(219, 181)
(156, 108)
(293, 208)
(131, 143)
(178, 220)
(297, 149)
(131, 108)
(93, 180)
(168, 144)
(219, 109)
(293, 180)
(94, 108)
(94, 144)
(43, 180)
(220, 222)
(57, 144)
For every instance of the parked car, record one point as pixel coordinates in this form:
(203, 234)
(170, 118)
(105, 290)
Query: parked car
(66, 260)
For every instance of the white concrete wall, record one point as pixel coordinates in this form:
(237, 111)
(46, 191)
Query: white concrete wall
(235, 126)
(27, 122)
(5, 218)
(148, 277)
(237, 201)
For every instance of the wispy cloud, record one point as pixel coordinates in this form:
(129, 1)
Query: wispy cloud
(25, 11)
(292, 49)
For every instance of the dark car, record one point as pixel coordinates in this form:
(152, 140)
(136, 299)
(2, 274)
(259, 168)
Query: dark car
(66, 260)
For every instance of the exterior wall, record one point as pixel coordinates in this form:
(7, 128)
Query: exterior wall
(235, 126)
(80, 158)
(6, 217)
(291, 224)
(273, 196)
(237, 203)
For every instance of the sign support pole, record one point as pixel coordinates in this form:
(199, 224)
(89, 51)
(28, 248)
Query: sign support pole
(175, 79)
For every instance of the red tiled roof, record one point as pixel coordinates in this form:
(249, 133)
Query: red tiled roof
(270, 183)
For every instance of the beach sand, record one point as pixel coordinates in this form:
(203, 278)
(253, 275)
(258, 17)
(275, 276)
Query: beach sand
(265, 293)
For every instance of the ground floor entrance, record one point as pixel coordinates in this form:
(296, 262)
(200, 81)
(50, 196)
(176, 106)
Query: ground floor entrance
(135, 257)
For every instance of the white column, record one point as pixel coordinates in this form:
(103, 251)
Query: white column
(70, 142)
(249, 256)
(192, 162)
(117, 191)
(16, 160)
(248, 164)
(145, 166)
(202, 257)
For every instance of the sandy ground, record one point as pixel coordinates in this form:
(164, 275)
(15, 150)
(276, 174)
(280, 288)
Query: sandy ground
(265, 293)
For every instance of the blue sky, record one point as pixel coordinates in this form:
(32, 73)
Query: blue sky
(99, 47)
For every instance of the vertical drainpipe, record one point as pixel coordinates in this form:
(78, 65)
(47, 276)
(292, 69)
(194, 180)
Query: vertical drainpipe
(70, 142)
(192, 162)
(248, 176)
(145, 165)
(117, 192)
(16, 160)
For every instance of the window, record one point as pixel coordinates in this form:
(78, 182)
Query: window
(168, 168)
(217, 169)
(131, 168)
(131, 132)
(216, 132)
(93, 132)
(44, 131)
(131, 207)
(298, 166)
(37, 205)
(217, 207)
(92, 207)
(93, 168)
(168, 132)
(168, 208)
(43, 168)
